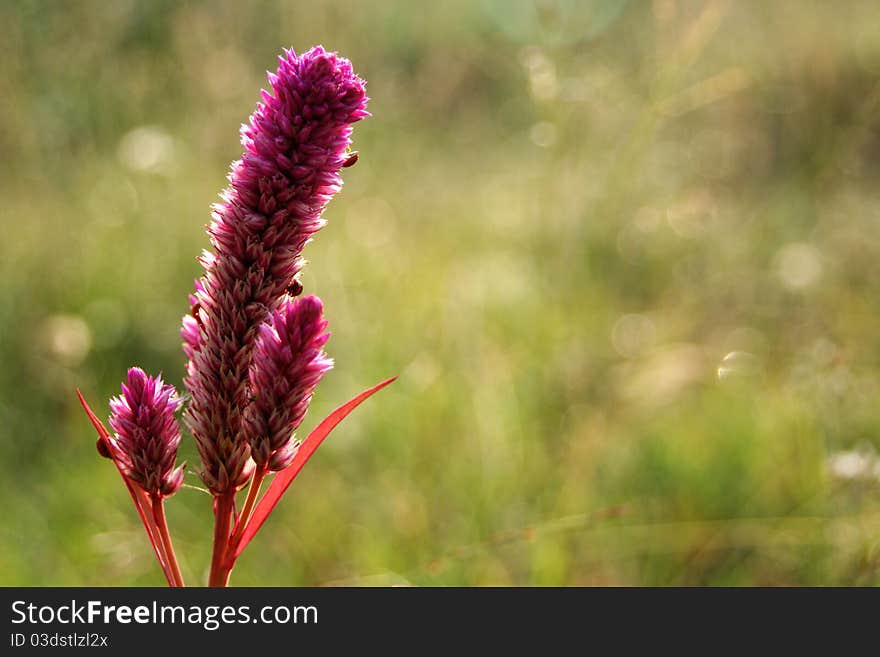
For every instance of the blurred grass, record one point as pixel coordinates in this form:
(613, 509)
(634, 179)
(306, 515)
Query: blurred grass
(565, 219)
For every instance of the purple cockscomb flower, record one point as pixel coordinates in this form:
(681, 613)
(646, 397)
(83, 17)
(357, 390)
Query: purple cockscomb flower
(294, 146)
(254, 348)
(147, 433)
(288, 362)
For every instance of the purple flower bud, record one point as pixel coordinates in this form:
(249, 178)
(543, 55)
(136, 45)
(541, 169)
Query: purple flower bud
(294, 146)
(284, 456)
(147, 433)
(288, 362)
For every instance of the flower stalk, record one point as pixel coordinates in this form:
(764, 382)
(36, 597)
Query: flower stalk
(158, 504)
(245, 515)
(220, 570)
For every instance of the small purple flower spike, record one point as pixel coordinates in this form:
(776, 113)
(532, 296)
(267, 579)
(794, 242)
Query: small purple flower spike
(288, 362)
(147, 433)
(294, 147)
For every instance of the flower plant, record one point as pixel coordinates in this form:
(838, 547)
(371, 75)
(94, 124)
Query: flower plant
(254, 343)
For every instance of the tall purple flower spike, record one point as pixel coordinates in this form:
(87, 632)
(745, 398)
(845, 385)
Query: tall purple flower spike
(288, 362)
(147, 433)
(294, 147)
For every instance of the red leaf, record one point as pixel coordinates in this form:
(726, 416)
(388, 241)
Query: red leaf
(138, 496)
(284, 478)
(104, 446)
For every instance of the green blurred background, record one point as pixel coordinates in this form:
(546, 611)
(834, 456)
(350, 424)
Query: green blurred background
(623, 255)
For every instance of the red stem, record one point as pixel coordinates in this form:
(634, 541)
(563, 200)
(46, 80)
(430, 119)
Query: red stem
(141, 503)
(165, 536)
(245, 515)
(222, 516)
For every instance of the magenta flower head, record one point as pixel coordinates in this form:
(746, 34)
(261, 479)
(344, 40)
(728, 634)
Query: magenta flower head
(147, 433)
(295, 144)
(288, 362)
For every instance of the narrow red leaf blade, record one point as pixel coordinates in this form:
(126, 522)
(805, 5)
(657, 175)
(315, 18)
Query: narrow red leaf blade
(138, 496)
(99, 426)
(284, 478)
